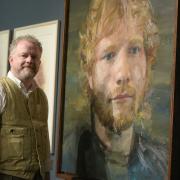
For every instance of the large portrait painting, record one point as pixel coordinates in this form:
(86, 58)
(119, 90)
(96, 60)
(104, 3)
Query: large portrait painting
(4, 46)
(47, 34)
(117, 89)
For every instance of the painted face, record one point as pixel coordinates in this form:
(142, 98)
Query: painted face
(25, 60)
(118, 77)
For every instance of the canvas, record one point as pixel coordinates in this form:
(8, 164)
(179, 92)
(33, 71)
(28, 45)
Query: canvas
(77, 131)
(4, 43)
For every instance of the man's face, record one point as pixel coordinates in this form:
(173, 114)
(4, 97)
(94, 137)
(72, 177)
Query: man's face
(25, 60)
(119, 77)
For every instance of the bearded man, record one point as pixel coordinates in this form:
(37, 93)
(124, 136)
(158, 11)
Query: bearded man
(24, 139)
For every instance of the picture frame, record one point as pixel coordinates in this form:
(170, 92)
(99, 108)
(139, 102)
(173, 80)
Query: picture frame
(4, 47)
(74, 106)
(47, 33)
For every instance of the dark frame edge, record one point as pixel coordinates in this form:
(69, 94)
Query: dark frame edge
(59, 173)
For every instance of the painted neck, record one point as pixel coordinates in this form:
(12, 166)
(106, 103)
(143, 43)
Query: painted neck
(121, 143)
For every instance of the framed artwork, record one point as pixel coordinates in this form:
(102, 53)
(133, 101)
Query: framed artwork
(4, 46)
(47, 34)
(117, 90)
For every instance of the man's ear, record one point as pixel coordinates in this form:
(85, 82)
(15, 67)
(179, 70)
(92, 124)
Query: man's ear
(10, 59)
(39, 62)
(90, 81)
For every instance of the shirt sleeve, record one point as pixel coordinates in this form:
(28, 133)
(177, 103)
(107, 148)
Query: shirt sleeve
(2, 99)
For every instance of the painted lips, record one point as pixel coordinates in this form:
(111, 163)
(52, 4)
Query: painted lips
(121, 97)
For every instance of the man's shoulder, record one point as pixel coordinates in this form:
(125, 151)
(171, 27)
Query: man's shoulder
(3, 82)
(3, 79)
(41, 92)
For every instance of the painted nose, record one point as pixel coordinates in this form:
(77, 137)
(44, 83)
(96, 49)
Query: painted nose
(122, 69)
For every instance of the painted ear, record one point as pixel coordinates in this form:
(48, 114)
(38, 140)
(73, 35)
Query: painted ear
(89, 77)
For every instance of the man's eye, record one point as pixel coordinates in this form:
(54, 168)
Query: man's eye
(134, 50)
(109, 56)
(24, 55)
(34, 57)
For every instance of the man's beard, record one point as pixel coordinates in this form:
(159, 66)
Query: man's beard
(27, 73)
(119, 121)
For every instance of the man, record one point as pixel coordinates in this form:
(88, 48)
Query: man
(118, 47)
(24, 140)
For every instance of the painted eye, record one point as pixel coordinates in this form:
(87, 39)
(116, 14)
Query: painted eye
(134, 50)
(109, 56)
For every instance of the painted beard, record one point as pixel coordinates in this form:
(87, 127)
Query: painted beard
(116, 115)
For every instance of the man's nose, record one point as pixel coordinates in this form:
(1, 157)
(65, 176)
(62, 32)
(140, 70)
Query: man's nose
(122, 72)
(29, 59)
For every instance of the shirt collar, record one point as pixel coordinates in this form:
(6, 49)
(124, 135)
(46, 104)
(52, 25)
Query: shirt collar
(19, 83)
